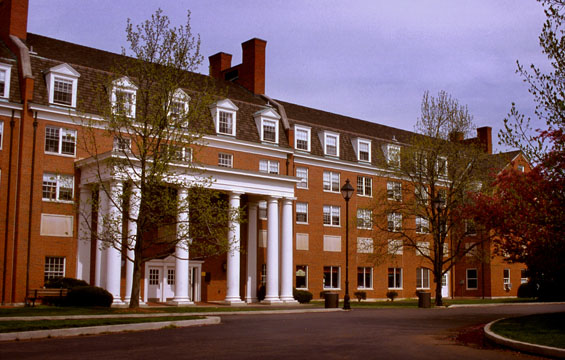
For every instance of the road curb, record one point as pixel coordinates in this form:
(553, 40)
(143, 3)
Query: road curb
(503, 304)
(93, 330)
(543, 350)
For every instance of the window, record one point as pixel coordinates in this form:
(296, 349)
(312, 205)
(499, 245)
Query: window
(364, 278)
(364, 150)
(302, 138)
(523, 276)
(506, 279)
(225, 160)
(122, 144)
(302, 241)
(302, 276)
(302, 212)
(332, 243)
(421, 194)
(5, 71)
(178, 108)
(420, 163)
(262, 210)
(54, 267)
(393, 155)
(171, 276)
(331, 144)
(60, 141)
(123, 98)
(331, 181)
(471, 249)
(520, 167)
(269, 166)
(441, 166)
(62, 81)
(331, 215)
(364, 219)
(422, 225)
(58, 187)
(56, 225)
(176, 153)
(154, 276)
(364, 186)
(263, 274)
(472, 279)
(364, 245)
(395, 247)
(422, 278)
(302, 173)
(394, 222)
(1, 133)
(423, 248)
(394, 191)
(395, 278)
(262, 238)
(224, 113)
(270, 130)
(331, 277)
(470, 228)
(267, 121)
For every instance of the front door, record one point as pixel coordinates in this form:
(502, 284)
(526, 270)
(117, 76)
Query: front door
(155, 289)
(445, 285)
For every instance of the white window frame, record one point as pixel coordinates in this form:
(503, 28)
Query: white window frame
(330, 181)
(226, 106)
(506, 280)
(470, 228)
(126, 86)
(332, 211)
(332, 285)
(122, 144)
(305, 277)
(422, 225)
(62, 133)
(521, 168)
(179, 96)
(262, 210)
(439, 171)
(423, 285)
(424, 247)
(395, 276)
(366, 270)
(421, 194)
(225, 160)
(1, 133)
(59, 180)
(362, 188)
(329, 134)
(263, 118)
(171, 276)
(395, 246)
(7, 69)
(302, 204)
(265, 122)
(473, 251)
(364, 142)
(63, 72)
(523, 276)
(394, 190)
(467, 278)
(298, 128)
(365, 245)
(396, 219)
(51, 270)
(364, 219)
(303, 184)
(268, 166)
(393, 155)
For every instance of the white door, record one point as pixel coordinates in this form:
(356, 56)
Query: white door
(445, 285)
(154, 289)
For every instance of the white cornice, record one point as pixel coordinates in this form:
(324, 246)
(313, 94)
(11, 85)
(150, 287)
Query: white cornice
(241, 145)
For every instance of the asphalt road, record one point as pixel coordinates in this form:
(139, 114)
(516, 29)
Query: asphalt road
(358, 334)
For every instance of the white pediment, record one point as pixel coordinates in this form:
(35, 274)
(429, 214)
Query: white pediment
(225, 104)
(267, 113)
(66, 70)
(125, 83)
(179, 94)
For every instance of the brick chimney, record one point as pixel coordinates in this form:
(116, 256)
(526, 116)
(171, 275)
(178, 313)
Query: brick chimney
(484, 134)
(250, 73)
(219, 62)
(13, 19)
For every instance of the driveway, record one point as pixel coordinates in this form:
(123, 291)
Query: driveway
(358, 334)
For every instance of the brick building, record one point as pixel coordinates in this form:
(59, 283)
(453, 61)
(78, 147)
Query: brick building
(284, 163)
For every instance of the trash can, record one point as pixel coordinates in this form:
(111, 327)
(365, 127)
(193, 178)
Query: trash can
(424, 299)
(331, 300)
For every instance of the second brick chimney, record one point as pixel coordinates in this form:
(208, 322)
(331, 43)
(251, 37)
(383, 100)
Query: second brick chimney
(484, 134)
(13, 19)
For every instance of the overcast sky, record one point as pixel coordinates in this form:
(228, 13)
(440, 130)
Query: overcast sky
(369, 59)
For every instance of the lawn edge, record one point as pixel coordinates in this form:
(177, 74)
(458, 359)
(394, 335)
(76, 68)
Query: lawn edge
(537, 349)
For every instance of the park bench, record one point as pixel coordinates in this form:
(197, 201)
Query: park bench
(42, 293)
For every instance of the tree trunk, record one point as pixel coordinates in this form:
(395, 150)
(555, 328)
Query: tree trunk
(135, 284)
(439, 300)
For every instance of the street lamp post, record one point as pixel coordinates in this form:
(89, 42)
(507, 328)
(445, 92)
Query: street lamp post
(347, 192)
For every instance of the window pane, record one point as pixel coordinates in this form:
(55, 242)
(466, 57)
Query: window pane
(63, 91)
(269, 131)
(68, 142)
(226, 123)
(52, 139)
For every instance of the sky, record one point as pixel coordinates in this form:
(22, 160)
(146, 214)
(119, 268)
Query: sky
(370, 59)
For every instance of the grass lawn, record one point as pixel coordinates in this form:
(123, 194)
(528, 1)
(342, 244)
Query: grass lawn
(14, 326)
(543, 329)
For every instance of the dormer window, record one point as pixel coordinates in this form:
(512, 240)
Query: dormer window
(331, 143)
(441, 166)
(124, 98)
(302, 138)
(363, 149)
(267, 121)
(224, 113)
(393, 155)
(178, 106)
(62, 81)
(5, 71)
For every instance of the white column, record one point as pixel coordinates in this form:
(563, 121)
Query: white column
(251, 284)
(100, 259)
(84, 234)
(286, 250)
(272, 293)
(181, 251)
(233, 255)
(113, 254)
(134, 202)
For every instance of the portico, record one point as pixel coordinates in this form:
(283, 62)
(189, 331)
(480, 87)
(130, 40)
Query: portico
(176, 283)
